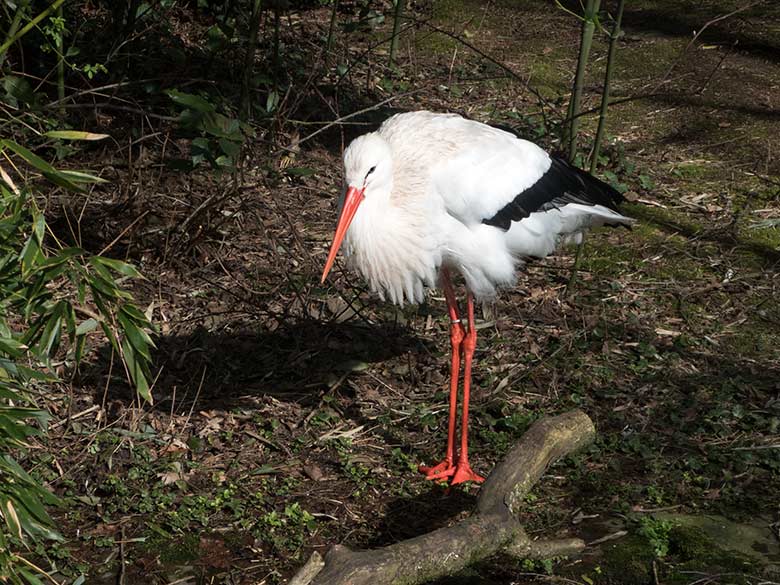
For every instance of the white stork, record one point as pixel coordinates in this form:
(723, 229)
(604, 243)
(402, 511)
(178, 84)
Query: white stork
(428, 194)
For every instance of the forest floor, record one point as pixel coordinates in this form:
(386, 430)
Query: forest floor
(290, 416)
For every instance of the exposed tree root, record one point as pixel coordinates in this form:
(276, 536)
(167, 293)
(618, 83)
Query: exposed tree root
(492, 528)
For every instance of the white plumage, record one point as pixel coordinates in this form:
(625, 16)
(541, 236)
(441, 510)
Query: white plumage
(436, 178)
(430, 193)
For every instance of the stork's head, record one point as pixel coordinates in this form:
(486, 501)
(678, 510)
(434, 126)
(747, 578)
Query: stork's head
(368, 173)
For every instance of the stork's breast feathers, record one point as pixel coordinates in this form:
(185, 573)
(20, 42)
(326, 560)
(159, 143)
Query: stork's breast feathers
(394, 251)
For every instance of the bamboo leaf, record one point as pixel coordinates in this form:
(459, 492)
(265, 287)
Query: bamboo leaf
(134, 334)
(28, 156)
(133, 312)
(142, 387)
(11, 428)
(110, 335)
(103, 272)
(29, 254)
(33, 505)
(189, 100)
(33, 527)
(101, 287)
(117, 265)
(12, 347)
(39, 228)
(50, 338)
(48, 171)
(74, 135)
(136, 371)
(9, 394)
(82, 177)
(8, 181)
(9, 465)
(87, 326)
(11, 518)
(30, 577)
(31, 374)
(70, 319)
(78, 351)
(59, 179)
(15, 432)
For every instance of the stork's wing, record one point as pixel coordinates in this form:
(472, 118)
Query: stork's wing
(498, 178)
(562, 183)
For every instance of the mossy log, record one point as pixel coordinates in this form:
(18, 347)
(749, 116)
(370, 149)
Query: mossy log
(493, 527)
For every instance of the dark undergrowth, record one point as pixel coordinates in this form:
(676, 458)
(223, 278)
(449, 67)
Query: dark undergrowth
(290, 415)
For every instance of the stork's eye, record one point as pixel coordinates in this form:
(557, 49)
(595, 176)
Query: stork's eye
(371, 170)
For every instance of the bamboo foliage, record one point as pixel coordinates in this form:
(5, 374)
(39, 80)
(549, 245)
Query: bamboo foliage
(51, 294)
(14, 33)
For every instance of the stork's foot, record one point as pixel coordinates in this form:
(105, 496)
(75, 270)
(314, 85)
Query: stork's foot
(463, 473)
(447, 471)
(440, 472)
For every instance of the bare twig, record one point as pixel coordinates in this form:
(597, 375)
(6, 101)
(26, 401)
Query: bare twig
(110, 245)
(338, 121)
(121, 108)
(698, 33)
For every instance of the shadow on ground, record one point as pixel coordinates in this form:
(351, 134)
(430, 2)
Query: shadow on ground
(407, 517)
(295, 362)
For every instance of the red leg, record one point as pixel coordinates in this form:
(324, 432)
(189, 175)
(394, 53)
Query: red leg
(463, 470)
(446, 468)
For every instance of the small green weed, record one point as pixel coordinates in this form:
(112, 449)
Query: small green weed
(657, 533)
(538, 566)
(286, 531)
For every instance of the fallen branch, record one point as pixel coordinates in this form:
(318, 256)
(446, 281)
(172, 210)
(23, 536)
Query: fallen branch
(492, 528)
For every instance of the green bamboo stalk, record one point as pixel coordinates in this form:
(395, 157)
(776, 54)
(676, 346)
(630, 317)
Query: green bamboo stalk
(249, 57)
(17, 20)
(12, 38)
(605, 93)
(132, 16)
(277, 37)
(588, 27)
(60, 41)
(399, 12)
(575, 268)
(332, 28)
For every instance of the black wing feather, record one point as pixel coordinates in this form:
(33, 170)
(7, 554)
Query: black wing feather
(563, 183)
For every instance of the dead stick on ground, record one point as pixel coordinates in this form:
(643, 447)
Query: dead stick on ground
(492, 528)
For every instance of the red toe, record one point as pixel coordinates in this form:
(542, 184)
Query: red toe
(438, 472)
(463, 473)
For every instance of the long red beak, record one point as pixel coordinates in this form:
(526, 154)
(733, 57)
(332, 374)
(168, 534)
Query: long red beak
(352, 200)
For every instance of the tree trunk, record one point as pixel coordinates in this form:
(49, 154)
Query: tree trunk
(492, 528)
